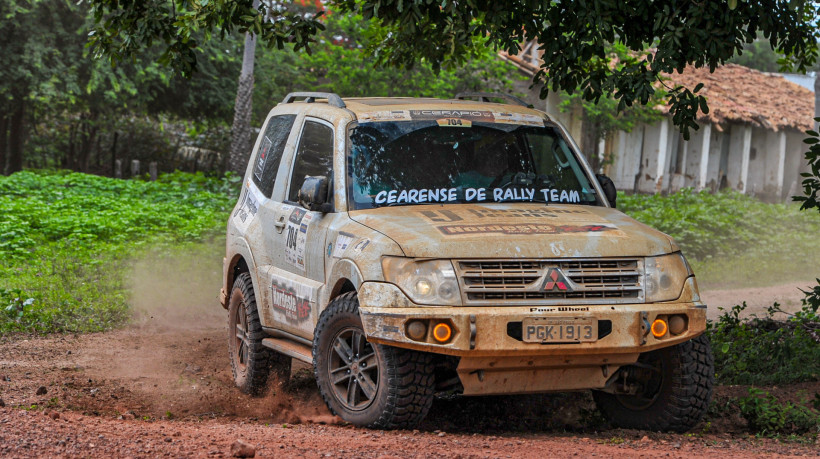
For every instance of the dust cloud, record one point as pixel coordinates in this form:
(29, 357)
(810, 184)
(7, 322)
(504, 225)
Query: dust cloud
(172, 360)
(178, 288)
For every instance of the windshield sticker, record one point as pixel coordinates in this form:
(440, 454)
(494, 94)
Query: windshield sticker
(420, 196)
(473, 115)
(528, 228)
(386, 115)
(343, 241)
(295, 238)
(518, 118)
(454, 122)
(289, 304)
(467, 117)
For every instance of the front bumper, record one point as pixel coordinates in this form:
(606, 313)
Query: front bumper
(495, 359)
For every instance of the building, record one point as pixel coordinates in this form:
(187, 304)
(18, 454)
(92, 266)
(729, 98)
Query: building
(750, 141)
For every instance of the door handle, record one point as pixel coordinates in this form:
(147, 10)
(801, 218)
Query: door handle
(280, 224)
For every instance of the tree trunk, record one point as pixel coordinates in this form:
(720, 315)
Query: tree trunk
(589, 142)
(241, 141)
(17, 136)
(4, 128)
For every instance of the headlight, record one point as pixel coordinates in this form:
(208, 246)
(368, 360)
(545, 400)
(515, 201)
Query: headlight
(425, 282)
(665, 276)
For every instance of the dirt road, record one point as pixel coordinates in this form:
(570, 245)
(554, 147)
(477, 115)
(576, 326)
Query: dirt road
(162, 386)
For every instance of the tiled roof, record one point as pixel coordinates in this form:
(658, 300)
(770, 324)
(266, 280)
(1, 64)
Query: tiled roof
(736, 94)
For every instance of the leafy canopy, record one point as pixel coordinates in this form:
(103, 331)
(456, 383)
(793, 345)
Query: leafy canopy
(573, 36)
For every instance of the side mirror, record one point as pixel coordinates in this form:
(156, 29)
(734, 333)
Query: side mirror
(609, 188)
(313, 194)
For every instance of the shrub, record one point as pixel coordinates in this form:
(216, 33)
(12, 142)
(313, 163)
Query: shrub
(766, 415)
(764, 350)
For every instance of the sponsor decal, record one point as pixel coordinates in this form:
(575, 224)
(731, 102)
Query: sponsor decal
(285, 301)
(264, 150)
(526, 228)
(296, 237)
(343, 241)
(447, 216)
(561, 309)
(361, 244)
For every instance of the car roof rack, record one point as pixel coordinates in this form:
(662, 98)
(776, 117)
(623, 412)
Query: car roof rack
(486, 96)
(310, 97)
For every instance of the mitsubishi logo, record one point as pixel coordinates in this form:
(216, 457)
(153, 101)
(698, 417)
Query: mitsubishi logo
(556, 281)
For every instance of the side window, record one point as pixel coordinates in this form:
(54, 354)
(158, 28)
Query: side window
(270, 152)
(314, 156)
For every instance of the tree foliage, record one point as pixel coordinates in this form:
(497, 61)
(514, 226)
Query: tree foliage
(574, 36)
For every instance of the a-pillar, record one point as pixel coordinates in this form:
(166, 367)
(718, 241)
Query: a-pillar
(704, 156)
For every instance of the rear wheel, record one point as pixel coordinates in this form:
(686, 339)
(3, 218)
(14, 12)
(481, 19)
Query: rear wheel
(251, 362)
(670, 389)
(368, 384)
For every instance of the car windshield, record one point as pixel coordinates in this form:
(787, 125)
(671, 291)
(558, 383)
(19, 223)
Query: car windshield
(462, 161)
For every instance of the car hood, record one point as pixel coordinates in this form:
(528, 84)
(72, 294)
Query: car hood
(514, 231)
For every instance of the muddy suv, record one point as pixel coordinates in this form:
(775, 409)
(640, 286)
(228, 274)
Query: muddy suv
(409, 247)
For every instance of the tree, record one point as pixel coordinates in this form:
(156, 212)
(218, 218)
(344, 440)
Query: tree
(243, 108)
(573, 35)
(337, 64)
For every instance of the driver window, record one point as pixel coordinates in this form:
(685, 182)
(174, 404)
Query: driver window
(314, 156)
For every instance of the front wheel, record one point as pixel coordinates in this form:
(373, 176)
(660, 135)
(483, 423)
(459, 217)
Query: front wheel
(670, 389)
(367, 384)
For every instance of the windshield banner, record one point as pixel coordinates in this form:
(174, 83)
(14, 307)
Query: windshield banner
(420, 196)
(467, 115)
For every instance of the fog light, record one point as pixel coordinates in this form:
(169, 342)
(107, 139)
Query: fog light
(442, 332)
(677, 325)
(659, 328)
(417, 330)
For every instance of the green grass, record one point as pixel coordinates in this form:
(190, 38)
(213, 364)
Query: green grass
(66, 240)
(733, 240)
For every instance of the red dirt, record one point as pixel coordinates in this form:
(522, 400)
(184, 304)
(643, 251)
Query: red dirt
(162, 386)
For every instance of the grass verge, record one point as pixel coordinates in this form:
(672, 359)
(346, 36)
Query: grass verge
(733, 240)
(66, 240)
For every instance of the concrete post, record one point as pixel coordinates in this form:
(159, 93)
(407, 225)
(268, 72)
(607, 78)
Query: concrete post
(135, 168)
(152, 170)
(118, 168)
(744, 161)
(781, 161)
(704, 156)
(663, 154)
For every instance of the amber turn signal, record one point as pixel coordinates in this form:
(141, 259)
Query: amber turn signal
(659, 328)
(442, 332)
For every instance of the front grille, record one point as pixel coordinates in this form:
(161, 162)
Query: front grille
(589, 281)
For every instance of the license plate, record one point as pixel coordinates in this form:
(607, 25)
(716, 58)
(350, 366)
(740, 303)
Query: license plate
(560, 330)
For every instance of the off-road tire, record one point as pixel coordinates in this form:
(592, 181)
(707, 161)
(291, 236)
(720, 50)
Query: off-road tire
(405, 385)
(683, 397)
(252, 365)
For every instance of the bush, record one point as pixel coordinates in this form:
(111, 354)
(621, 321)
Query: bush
(766, 415)
(720, 224)
(66, 238)
(764, 350)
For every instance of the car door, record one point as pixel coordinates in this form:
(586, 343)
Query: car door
(296, 279)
